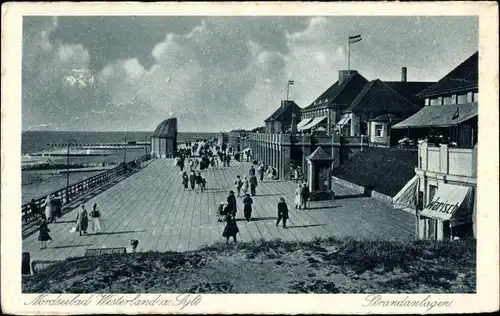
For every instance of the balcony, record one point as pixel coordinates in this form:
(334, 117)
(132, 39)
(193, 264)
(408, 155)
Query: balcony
(447, 162)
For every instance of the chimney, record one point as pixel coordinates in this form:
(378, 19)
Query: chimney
(403, 74)
(345, 74)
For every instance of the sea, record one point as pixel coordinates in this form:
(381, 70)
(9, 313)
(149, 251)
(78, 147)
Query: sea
(37, 141)
(38, 183)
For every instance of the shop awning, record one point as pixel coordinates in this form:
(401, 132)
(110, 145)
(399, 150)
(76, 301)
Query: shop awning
(440, 116)
(303, 122)
(342, 122)
(450, 202)
(406, 198)
(313, 123)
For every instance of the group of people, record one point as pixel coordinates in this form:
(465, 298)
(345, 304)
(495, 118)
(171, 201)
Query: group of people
(52, 209)
(302, 196)
(81, 226)
(267, 171)
(246, 183)
(196, 181)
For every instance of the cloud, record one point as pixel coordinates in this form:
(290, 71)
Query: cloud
(215, 73)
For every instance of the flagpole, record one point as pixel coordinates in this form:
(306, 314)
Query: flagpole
(348, 54)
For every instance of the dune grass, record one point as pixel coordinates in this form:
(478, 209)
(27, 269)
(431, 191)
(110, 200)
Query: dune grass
(328, 265)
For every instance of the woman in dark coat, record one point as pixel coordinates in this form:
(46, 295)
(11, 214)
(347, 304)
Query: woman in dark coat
(247, 210)
(43, 236)
(57, 207)
(282, 212)
(199, 180)
(192, 179)
(185, 180)
(253, 184)
(231, 203)
(231, 229)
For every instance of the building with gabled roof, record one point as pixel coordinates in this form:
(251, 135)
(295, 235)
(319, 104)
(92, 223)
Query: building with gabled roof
(451, 106)
(375, 99)
(283, 117)
(326, 109)
(348, 106)
(445, 182)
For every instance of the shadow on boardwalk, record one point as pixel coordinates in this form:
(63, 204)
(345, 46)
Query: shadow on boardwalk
(70, 246)
(118, 233)
(31, 228)
(304, 226)
(350, 196)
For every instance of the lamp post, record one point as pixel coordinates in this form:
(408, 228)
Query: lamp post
(125, 150)
(67, 167)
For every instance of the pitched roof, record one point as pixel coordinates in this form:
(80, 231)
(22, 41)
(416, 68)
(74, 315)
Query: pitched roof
(319, 154)
(282, 109)
(386, 118)
(341, 93)
(379, 97)
(464, 76)
(440, 115)
(410, 89)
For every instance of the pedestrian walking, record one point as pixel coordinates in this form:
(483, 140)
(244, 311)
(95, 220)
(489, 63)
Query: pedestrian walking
(228, 157)
(35, 210)
(203, 184)
(304, 195)
(82, 220)
(95, 216)
(253, 184)
(185, 180)
(48, 208)
(199, 181)
(192, 179)
(247, 209)
(282, 212)
(261, 171)
(231, 229)
(57, 207)
(251, 171)
(298, 197)
(238, 184)
(246, 185)
(43, 235)
(231, 203)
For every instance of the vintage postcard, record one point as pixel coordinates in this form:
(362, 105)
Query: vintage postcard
(236, 158)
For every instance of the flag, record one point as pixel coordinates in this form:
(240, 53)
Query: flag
(290, 82)
(456, 115)
(354, 39)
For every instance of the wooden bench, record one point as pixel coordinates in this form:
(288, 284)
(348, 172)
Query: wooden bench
(104, 251)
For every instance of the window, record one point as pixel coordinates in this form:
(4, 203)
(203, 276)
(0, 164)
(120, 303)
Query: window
(379, 130)
(447, 100)
(476, 97)
(435, 101)
(469, 97)
(462, 98)
(426, 101)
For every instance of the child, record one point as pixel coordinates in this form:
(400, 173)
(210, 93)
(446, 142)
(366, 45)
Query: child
(203, 184)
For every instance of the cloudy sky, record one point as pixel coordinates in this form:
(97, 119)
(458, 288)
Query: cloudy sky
(215, 73)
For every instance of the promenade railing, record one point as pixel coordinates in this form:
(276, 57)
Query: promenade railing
(80, 188)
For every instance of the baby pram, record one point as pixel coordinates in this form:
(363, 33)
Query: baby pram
(222, 212)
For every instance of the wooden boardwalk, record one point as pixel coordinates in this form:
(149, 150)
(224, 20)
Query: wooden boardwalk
(152, 207)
